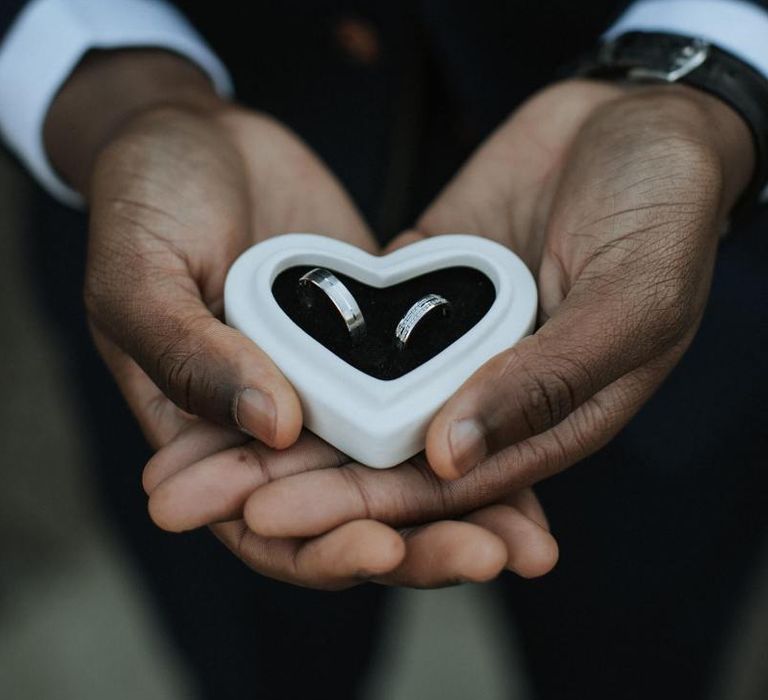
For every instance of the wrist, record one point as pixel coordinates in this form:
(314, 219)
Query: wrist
(645, 55)
(109, 89)
(708, 121)
(690, 114)
(727, 131)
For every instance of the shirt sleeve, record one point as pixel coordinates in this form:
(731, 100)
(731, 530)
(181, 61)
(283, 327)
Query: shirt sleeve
(739, 27)
(47, 40)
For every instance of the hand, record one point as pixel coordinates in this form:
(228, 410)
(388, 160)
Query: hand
(616, 197)
(206, 475)
(179, 184)
(223, 467)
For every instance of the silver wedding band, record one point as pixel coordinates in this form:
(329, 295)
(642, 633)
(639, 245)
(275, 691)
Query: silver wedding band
(340, 297)
(416, 313)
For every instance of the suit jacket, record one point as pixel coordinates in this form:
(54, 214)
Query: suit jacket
(490, 52)
(483, 57)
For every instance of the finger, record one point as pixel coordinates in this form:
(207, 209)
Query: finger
(448, 552)
(197, 441)
(533, 386)
(404, 239)
(291, 188)
(205, 367)
(530, 550)
(313, 503)
(529, 505)
(215, 488)
(349, 555)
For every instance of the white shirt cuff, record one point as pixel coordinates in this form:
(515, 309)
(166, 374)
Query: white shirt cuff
(48, 40)
(739, 27)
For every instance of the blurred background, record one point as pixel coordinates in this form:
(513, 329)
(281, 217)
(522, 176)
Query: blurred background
(74, 620)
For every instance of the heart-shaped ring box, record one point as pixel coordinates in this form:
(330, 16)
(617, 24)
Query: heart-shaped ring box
(372, 400)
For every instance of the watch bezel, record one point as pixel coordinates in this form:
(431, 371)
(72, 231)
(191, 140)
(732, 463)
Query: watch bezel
(681, 62)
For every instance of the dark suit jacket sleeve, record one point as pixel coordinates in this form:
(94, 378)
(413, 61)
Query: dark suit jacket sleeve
(9, 9)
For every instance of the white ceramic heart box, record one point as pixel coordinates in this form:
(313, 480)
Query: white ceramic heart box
(377, 422)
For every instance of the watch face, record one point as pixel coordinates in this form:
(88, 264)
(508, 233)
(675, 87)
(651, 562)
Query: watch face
(681, 62)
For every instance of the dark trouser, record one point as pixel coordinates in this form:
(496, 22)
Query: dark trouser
(659, 531)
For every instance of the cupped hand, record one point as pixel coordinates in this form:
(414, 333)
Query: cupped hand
(176, 193)
(616, 197)
(175, 197)
(207, 474)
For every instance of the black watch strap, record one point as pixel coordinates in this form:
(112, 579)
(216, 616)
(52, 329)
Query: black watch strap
(656, 57)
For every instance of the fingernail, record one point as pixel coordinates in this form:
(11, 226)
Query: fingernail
(256, 415)
(467, 442)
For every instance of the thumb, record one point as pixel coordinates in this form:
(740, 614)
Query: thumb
(532, 387)
(204, 366)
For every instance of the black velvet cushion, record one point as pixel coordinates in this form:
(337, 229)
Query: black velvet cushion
(468, 290)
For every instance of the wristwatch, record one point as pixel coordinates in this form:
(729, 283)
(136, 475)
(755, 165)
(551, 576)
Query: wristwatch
(671, 58)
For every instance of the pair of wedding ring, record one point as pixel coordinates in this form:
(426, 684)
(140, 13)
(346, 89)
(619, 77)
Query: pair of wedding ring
(349, 310)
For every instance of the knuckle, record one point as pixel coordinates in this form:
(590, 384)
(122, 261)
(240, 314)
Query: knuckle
(186, 369)
(530, 461)
(538, 458)
(435, 495)
(174, 363)
(546, 396)
(362, 495)
(545, 401)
